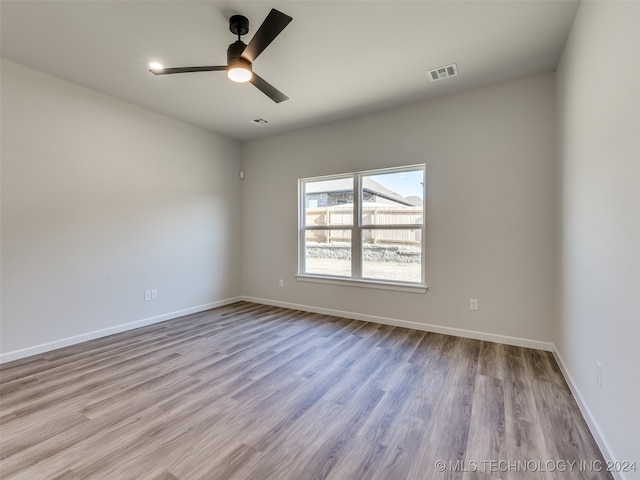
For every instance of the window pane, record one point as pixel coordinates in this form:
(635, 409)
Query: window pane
(328, 252)
(329, 202)
(393, 198)
(392, 255)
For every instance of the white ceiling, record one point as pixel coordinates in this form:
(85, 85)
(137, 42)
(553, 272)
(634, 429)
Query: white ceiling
(335, 60)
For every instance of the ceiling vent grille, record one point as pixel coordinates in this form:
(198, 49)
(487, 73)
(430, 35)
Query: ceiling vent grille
(260, 121)
(441, 73)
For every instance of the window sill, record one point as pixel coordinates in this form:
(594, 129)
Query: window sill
(398, 287)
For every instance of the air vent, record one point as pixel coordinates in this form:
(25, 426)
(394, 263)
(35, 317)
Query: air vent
(260, 121)
(441, 73)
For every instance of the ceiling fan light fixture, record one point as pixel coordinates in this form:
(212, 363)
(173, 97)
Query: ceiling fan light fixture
(239, 70)
(240, 56)
(156, 67)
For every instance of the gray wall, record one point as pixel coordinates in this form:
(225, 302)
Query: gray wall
(599, 234)
(490, 208)
(102, 200)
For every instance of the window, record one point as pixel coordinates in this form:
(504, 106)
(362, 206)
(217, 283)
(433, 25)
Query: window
(365, 227)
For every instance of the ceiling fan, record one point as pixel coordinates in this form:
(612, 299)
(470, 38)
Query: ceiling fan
(240, 56)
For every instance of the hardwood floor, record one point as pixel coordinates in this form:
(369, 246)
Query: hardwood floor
(254, 392)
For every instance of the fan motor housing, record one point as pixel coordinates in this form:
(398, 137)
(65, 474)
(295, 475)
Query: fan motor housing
(235, 51)
(239, 62)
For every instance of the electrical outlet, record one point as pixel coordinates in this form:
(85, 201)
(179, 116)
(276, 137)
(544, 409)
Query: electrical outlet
(154, 294)
(598, 373)
(473, 304)
(281, 283)
(147, 295)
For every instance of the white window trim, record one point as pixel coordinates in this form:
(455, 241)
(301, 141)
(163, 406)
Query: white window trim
(356, 228)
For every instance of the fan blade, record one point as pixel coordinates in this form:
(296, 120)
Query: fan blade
(269, 90)
(168, 71)
(271, 27)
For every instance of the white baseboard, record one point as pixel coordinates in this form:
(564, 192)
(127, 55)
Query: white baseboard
(457, 332)
(586, 413)
(65, 342)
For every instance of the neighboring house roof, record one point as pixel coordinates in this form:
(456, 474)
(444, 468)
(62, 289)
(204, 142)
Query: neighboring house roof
(415, 200)
(370, 186)
(332, 186)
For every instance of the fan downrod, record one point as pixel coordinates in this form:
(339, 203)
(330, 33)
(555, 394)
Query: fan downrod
(239, 25)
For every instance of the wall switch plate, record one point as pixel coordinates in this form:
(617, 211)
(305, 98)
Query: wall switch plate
(473, 304)
(147, 295)
(154, 294)
(281, 283)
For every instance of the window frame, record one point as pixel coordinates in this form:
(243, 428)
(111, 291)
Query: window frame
(357, 227)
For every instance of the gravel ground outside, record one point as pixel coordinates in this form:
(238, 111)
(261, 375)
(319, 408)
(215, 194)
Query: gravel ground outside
(388, 262)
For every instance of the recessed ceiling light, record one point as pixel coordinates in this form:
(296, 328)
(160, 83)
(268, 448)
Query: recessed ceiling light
(156, 66)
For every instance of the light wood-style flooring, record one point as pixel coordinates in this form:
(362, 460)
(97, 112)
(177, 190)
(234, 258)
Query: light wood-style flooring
(255, 392)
